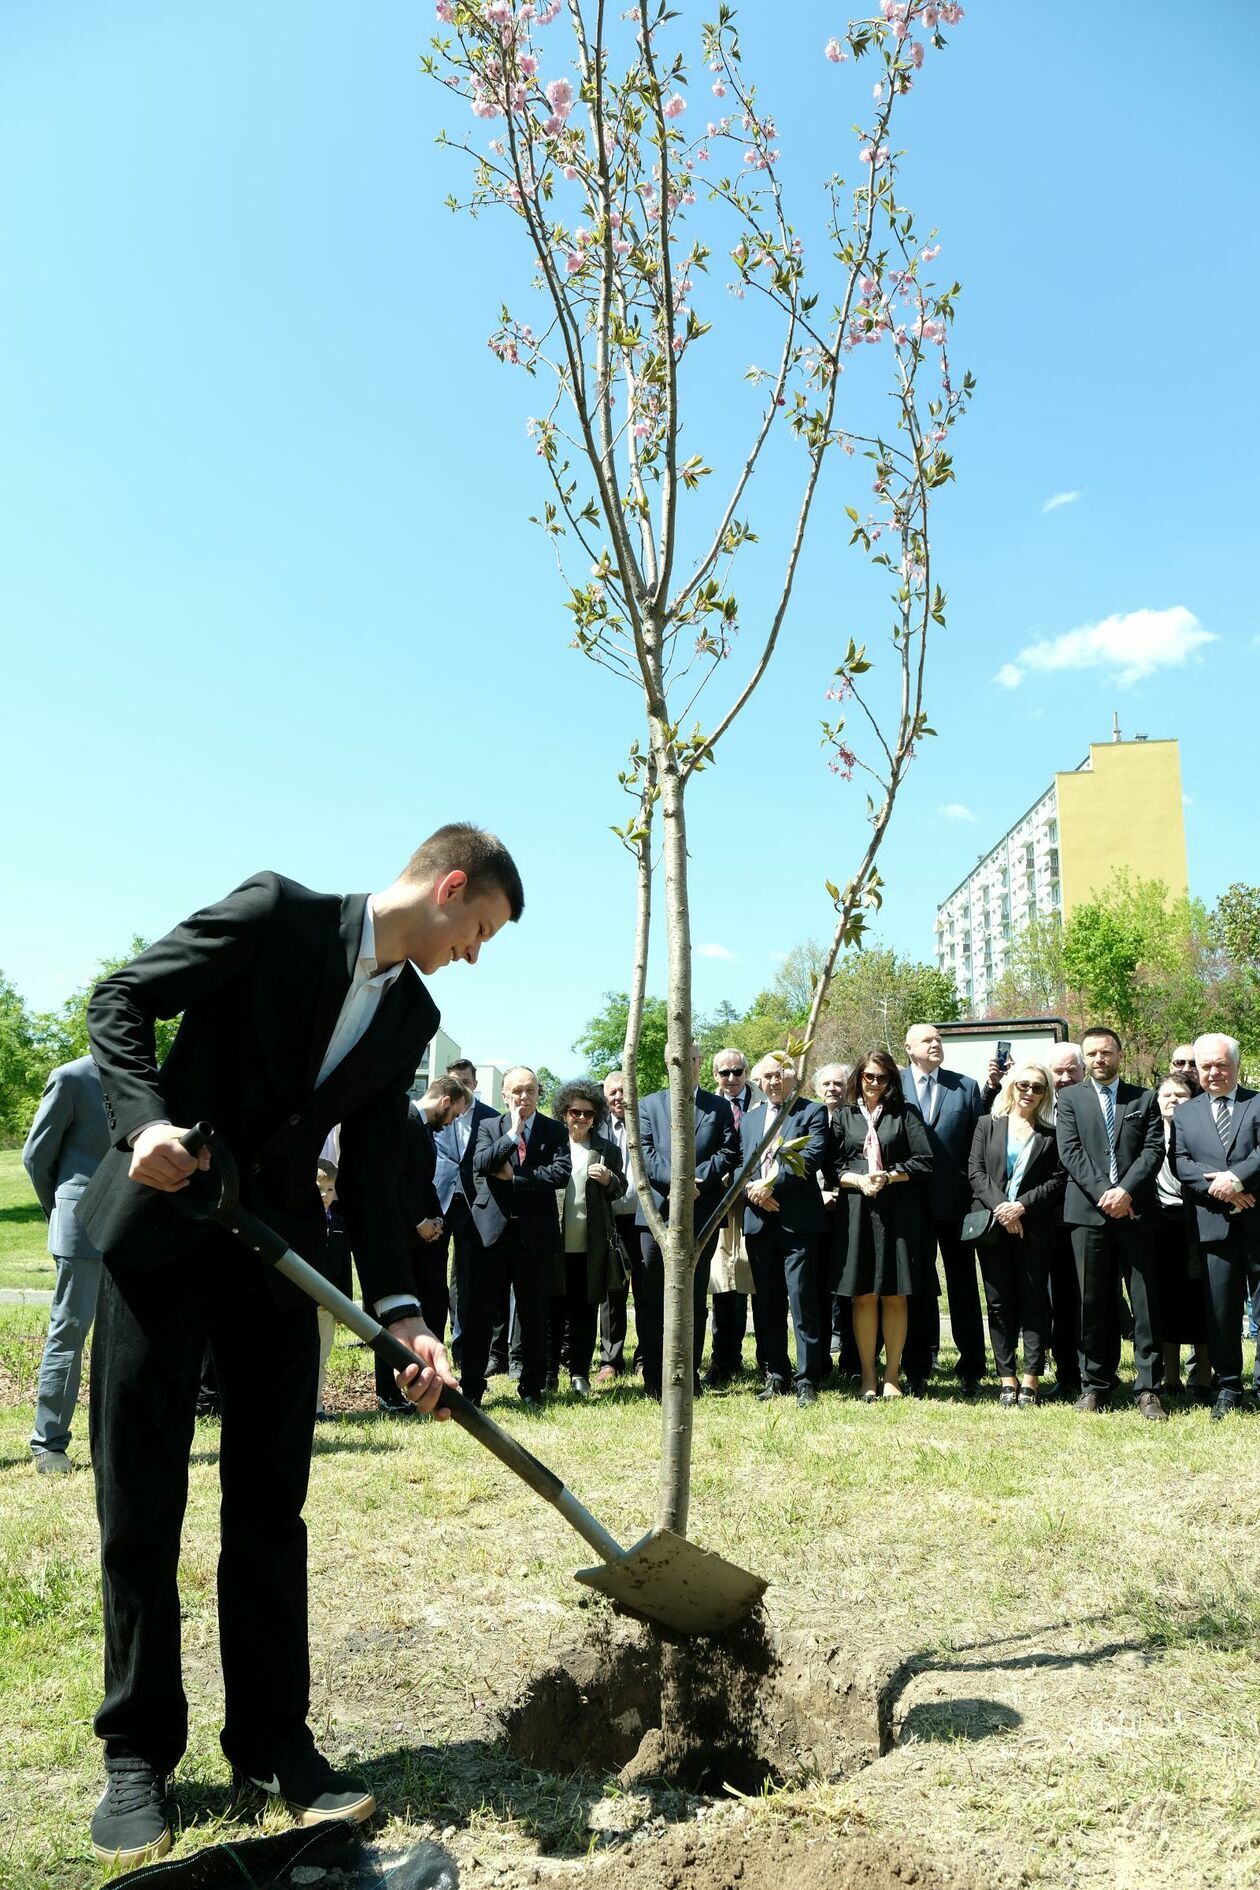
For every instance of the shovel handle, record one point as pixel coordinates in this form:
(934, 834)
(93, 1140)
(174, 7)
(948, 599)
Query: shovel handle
(198, 1137)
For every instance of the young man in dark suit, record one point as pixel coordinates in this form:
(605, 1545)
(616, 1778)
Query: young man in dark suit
(949, 1103)
(717, 1160)
(520, 1160)
(1216, 1158)
(457, 1188)
(1111, 1141)
(784, 1224)
(299, 1010)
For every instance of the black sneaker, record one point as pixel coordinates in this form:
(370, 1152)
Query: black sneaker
(309, 1786)
(130, 1826)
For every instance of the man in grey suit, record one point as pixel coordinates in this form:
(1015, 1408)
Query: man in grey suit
(67, 1140)
(1216, 1157)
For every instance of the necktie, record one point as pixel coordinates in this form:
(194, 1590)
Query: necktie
(1109, 1117)
(1220, 1108)
(768, 1160)
(925, 1098)
(520, 1144)
(738, 1113)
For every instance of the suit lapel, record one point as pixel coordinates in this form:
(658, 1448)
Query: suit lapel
(341, 953)
(1242, 1104)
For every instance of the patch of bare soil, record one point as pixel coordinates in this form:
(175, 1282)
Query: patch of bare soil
(735, 1854)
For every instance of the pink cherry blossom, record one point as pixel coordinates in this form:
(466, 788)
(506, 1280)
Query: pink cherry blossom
(549, 12)
(640, 429)
(445, 11)
(559, 93)
(675, 105)
(916, 54)
(569, 173)
(719, 90)
(930, 255)
(573, 262)
(528, 65)
(835, 52)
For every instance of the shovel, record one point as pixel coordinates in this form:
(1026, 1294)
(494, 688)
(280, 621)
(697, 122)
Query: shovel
(663, 1577)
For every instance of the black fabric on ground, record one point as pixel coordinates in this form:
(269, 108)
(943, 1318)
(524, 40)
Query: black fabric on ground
(254, 1863)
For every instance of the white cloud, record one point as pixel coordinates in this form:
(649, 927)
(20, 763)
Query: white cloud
(713, 951)
(1060, 498)
(954, 810)
(1131, 646)
(776, 958)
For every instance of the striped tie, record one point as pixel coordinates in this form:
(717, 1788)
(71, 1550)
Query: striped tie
(1109, 1116)
(1221, 1109)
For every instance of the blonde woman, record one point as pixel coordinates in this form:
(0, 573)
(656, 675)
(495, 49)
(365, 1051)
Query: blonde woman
(1016, 1172)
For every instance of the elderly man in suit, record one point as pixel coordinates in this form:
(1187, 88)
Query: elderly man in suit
(1216, 1158)
(729, 1274)
(950, 1106)
(67, 1140)
(299, 1010)
(784, 1225)
(456, 1144)
(1111, 1141)
(520, 1160)
(717, 1159)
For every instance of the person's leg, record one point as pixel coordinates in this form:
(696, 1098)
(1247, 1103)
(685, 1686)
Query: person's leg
(997, 1264)
(963, 1293)
(770, 1307)
(865, 1332)
(848, 1364)
(431, 1287)
(613, 1320)
(327, 1334)
(1226, 1290)
(800, 1273)
(267, 1361)
(1065, 1313)
(146, 1365)
(557, 1325)
(487, 1277)
(649, 1309)
(582, 1319)
(69, 1322)
(923, 1331)
(1034, 1308)
(895, 1320)
(1096, 1284)
(1143, 1272)
(700, 1303)
(529, 1292)
(730, 1322)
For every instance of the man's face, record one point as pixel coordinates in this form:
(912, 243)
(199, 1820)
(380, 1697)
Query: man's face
(924, 1046)
(1065, 1070)
(832, 1084)
(730, 1073)
(522, 1093)
(1102, 1058)
(455, 923)
(1181, 1063)
(1218, 1072)
(449, 1107)
(466, 1073)
(773, 1081)
(615, 1095)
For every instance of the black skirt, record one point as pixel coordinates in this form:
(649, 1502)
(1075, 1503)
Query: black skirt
(1182, 1293)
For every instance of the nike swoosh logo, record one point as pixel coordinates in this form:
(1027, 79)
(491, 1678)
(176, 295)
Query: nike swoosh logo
(271, 1784)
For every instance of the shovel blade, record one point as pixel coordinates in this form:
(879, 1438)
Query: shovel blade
(668, 1579)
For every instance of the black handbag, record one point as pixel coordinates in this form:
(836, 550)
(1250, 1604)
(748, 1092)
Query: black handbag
(979, 1227)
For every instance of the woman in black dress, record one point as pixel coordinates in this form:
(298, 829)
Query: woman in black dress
(883, 1159)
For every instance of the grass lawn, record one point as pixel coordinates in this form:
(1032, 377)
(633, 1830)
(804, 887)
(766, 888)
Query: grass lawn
(24, 1256)
(1077, 1604)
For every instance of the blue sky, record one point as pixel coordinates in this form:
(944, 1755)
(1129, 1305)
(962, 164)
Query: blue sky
(267, 587)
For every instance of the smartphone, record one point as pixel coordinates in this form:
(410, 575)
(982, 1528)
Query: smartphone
(1004, 1056)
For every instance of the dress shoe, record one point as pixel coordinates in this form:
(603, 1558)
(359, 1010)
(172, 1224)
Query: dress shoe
(580, 1387)
(52, 1463)
(301, 1776)
(1008, 1397)
(1091, 1401)
(970, 1387)
(807, 1393)
(551, 1382)
(130, 1826)
(605, 1375)
(915, 1387)
(496, 1365)
(531, 1401)
(395, 1407)
(717, 1377)
(1224, 1407)
(1029, 1395)
(1150, 1407)
(773, 1388)
(697, 1386)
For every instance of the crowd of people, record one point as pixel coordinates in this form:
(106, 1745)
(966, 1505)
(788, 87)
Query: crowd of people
(1074, 1208)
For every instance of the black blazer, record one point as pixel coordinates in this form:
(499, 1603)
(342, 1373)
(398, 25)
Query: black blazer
(801, 1208)
(1041, 1185)
(528, 1201)
(417, 1196)
(260, 978)
(717, 1149)
(903, 1140)
(1082, 1138)
(949, 1137)
(1196, 1151)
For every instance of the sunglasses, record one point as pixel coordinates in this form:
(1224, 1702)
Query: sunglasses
(1034, 1089)
(582, 1115)
(738, 1071)
(874, 1076)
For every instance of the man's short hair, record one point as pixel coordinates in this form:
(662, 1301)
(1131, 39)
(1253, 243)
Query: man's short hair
(448, 1088)
(1067, 1049)
(614, 1076)
(519, 1069)
(460, 847)
(1102, 1030)
(463, 1063)
(1218, 1036)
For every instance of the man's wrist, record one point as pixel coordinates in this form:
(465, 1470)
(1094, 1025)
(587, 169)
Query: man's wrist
(392, 1310)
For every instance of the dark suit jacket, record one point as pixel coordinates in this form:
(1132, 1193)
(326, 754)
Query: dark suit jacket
(63, 1149)
(1082, 1137)
(417, 1196)
(949, 1136)
(801, 1208)
(1041, 1185)
(717, 1148)
(527, 1202)
(260, 978)
(446, 1142)
(1197, 1151)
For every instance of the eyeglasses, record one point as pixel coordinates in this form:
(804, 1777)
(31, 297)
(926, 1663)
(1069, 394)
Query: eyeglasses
(874, 1076)
(1034, 1089)
(1183, 1063)
(581, 1115)
(737, 1071)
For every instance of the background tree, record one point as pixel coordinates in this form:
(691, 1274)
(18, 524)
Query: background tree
(874, 998)
(22, 1066)
(607, 183)
(603, 1040)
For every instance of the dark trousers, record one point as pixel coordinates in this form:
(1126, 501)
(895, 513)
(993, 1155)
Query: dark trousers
(1232, 1276)
(730, 1323)
(648, 1283)
(467, 1248)
(151, 1330)
(613, 1311)
(785, 1270)
(1015, 1272)
(1065, 1310)
(507, 1264)
(428, 1272)
(962, 1288)
(1105, 1255)
(572, 1310)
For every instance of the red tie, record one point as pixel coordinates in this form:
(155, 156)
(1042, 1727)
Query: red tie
(520, 1147)
(737, 1112)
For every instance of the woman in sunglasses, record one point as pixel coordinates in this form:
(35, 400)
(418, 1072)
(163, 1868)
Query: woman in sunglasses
(883, 1159)
(1016, 1172)
(591, 1261)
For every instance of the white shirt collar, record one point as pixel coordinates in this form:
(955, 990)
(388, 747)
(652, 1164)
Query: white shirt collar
(365, 965)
